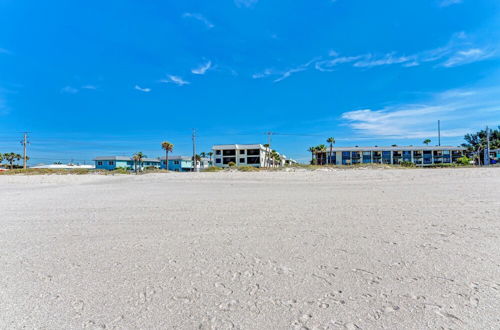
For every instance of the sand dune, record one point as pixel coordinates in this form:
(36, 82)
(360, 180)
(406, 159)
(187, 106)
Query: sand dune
(347, 249)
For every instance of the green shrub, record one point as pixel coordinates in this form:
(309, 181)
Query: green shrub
(247, 169)
(119, 170)
(407, 164)
(212, 169)
(231, 164)
(464, 160)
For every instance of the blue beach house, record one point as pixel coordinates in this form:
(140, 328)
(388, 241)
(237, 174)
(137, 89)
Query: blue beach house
(178, 163)
(114, 162)
(183, 163)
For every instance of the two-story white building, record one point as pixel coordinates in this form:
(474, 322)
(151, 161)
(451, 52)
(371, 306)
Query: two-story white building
(255, 155)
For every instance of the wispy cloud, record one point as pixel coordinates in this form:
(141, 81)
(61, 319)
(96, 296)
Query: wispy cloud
(386, 59)
(468, 56)
(246, 3)
(5, 51)
(330, 64)
(200, 18)
(202, 69)
(175, 80)
(282, 75)
(69, 90)
(74, 90)
(446, 3)
(90, 87)
(460, 50)
(141, 89)
(456, 108)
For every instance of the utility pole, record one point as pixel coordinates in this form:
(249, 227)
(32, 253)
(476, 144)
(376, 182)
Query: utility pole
(439, 132)
(195, 168)
(487, 151)
(24, 142)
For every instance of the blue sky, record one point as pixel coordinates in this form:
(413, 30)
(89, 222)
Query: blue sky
(95, 77)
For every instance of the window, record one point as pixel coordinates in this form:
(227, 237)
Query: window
(253, 160)
(217, 160)
(242, 160)
(386, 157)
(231, 152)
(217, 152)
(228, 160)
(176, 162)
(367, 157)
(99, 163)
(111, 162)
(346, 157)
(253, 152)
(242, 152)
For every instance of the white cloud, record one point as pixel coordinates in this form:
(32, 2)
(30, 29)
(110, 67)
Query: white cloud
(456, 109)
(246, 3)
(5, 51)
(69, 90)
(263, 74)
(468, 56)
(387, 59)
(175, 80)
(329, 65)
(288, 73)
(282, 75)
(202, 69)
(90, 87)
(446, 3)
(139, 88)
(458, 51)
(200, 18)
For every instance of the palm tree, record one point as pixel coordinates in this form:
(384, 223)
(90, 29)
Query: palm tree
(10, 157)
(312, 150)
(168, 147)
(1, 159)
(331, 140)
(138, 157)
(210, 154)
(196, 159)
(321, 149)
(427, 141)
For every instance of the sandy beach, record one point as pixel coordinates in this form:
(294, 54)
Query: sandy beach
(342, 249)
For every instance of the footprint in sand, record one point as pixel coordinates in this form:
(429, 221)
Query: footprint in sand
(230, 305)
(222, 289)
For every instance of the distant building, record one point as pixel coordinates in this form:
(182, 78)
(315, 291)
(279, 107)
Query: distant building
(114, 162)
(183, 163)
(255, 155)
(421, 156)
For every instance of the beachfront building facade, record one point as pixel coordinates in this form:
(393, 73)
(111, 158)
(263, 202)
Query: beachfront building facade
(255, 155)
(420, 156)
(184, 163)
(115, 162)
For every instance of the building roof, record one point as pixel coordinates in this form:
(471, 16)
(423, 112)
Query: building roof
(397, 148)
(124, 158)
(238, 146)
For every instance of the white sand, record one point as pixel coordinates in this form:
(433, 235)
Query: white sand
(369, 249)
